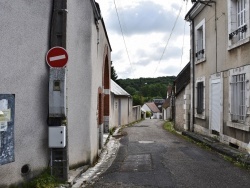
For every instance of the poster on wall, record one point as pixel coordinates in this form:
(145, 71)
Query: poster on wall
(7, 114)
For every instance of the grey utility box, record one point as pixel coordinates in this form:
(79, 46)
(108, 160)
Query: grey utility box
(57, 92)
(57, 137)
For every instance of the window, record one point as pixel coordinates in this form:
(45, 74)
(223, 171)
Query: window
(241, 17)
(200, 41)
(237, 22)
(200, 98)
(238, 106)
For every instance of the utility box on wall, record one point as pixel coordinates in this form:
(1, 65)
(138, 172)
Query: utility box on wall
(57, 136)
(7, 118)
(57, 92)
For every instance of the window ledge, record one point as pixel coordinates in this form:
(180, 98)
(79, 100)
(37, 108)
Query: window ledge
(200, 60)
(239, 43)
(239, 126)
(200, 116)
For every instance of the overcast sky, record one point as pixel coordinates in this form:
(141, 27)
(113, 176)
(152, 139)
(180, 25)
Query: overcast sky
(147, 26)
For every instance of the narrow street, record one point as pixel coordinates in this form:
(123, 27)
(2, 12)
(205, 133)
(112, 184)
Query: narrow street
(149, 156)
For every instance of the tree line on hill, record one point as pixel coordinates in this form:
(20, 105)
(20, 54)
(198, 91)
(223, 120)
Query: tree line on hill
(144, 89)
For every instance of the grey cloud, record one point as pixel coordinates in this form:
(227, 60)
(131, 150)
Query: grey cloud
(170, 70)
(117, 56)
(146, 17)
(147, 58)
(127, 73)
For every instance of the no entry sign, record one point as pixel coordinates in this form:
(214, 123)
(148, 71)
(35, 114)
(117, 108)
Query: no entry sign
(57, 57)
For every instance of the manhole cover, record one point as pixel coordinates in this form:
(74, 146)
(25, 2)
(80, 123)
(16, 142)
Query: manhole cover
(176, 142)
(146, 142)
(140, 126)
(142, 162)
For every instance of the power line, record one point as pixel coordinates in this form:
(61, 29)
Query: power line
(169, 38)
(183, 40)
(123, 38)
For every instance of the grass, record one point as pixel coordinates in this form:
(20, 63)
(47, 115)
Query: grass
(168, 125)
(44, 180)
(237, 162)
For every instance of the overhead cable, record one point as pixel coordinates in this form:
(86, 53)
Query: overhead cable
(168, 39)
(123, 38)
(183, 40)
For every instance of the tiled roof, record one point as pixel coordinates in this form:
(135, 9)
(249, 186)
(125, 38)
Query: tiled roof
(117, 90)
(153, 107)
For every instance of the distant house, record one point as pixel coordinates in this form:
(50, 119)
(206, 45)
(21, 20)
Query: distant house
(121, 106)
(152, 108)
(167, 105)
(159, 103)
(182, 99)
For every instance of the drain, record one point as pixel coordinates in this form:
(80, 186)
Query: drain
(140, 126)
(146, 142)
(175, 142)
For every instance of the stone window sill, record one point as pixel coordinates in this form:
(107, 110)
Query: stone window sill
(239, 126)
(239, 43)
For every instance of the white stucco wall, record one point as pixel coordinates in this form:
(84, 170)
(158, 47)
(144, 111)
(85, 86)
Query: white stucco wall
(24, 40)
(25, 32)
(85, 72)
(122, 109)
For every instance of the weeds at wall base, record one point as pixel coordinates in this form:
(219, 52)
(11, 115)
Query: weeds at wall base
(44, 180)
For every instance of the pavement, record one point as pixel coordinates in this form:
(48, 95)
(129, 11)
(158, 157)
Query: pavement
(86, 175)
(219, 147)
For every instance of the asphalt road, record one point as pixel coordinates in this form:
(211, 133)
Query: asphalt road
(149, 156)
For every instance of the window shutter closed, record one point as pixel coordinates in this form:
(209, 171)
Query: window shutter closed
(199, 97)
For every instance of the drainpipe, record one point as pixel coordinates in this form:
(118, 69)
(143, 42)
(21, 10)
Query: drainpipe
(59, 163)
(191, 128)
(216, 37)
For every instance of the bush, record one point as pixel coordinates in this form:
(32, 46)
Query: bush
(148, 114)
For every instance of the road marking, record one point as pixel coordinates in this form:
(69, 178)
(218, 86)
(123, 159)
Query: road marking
(59, 57)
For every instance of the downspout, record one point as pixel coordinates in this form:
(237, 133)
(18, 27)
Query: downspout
(59, 163)
(216, 38)
(191, 128)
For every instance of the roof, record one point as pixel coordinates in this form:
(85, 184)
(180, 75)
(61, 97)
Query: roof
(153, 107)
(117, 90)
(182, 79)
(160, 101)
(194, 11)
(169, 90)
(166, 104)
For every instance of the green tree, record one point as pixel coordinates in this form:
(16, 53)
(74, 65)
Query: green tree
(130, 90)
(114, 76)
(137, 100)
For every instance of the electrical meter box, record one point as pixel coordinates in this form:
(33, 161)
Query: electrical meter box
(57, 136)
(57, 92)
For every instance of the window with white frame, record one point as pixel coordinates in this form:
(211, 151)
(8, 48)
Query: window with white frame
(241, 17)
(238, 103)
(200, 41)
(238, 12)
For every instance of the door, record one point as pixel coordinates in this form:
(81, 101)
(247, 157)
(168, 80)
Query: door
(215, 105)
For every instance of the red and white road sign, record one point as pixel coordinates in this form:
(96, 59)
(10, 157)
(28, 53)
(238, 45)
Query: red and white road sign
(57, 57)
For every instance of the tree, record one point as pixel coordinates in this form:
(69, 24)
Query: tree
(130, 90)
(114, 76)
